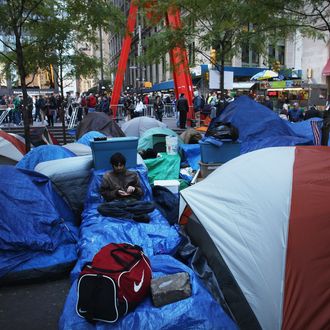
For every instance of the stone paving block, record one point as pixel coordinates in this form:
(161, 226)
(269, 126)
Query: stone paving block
(170, 288)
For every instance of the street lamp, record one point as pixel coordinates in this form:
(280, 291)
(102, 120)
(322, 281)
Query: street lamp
(309, 80)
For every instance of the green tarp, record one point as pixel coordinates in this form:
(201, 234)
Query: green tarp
(166, 167)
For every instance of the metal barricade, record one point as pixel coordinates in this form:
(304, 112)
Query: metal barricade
(149, 110)
(169, 110)
(73, 117)
(4, 114)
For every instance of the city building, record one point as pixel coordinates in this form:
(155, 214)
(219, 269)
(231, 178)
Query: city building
(100, 51)
(304, 67)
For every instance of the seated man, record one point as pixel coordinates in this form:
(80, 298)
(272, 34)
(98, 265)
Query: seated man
(120, 183)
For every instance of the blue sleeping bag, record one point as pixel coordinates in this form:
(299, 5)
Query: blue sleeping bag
(35, 224)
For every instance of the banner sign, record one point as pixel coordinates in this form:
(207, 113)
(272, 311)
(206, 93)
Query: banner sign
(281, 84)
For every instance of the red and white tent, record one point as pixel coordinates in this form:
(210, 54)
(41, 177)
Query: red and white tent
(266, 215)
(12, 148)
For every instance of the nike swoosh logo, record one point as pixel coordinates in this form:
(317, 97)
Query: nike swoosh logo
(138, 286)
(81, 311)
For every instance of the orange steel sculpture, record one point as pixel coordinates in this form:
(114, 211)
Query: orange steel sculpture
(178, 55)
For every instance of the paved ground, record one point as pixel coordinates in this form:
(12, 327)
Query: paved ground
(39, 305)
(33, 306)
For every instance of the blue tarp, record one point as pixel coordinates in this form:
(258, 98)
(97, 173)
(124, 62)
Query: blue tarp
(304, 128)
(192, 154)
(89, 136)
(158, 240)
(43, 154)
(200, 311)
(34, 222)
(96, 230)
(258, 126)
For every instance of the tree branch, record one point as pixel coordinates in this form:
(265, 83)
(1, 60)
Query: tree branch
(31, 81)
(323, 17)
(7, 45)
(8, 58)
(29, 12)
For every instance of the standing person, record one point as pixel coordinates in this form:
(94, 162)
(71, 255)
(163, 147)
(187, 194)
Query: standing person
(146, 100)
(183, 108)
(128, 104)
(52, 110)
(120, 183)
(159, 108)
(312, 112)
(91, 103)
(296, 114)
(43, 109)
(197, 108)
(3, 104)
(105, 104)
(37, 115)
(77, 104)
(268, 103)
(139, 108)
(17, 110)
(30, 109)
(68, 102)
(83, 104)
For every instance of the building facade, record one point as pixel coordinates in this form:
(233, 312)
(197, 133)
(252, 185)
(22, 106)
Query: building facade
(100, 51)
(302, 62)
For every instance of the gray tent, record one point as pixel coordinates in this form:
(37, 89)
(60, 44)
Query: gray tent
(71, 178)
(137, 126)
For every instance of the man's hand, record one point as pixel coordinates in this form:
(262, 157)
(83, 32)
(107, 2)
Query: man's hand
(122, 193)
(130, 189)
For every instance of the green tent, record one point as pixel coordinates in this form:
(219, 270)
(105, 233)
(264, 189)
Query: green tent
(155, 136)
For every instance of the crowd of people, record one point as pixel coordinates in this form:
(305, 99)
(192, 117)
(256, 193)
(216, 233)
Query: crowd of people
(46, 109)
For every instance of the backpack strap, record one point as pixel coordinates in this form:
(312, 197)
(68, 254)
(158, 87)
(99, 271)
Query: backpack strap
(126, 265)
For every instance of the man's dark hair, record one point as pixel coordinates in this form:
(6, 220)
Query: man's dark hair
(117, 159)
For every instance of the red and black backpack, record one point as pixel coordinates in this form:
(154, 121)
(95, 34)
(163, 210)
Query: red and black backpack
(114, 283)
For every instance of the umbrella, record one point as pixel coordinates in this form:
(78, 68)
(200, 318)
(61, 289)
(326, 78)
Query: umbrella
(265, 74)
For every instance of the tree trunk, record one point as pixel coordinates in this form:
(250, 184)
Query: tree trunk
(22, 74)
(222, 75)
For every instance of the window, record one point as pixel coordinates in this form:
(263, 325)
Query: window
(281, 54)
(157, 71)
(276, 53)
(249, 56)
(245, 54)
(192, 54)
